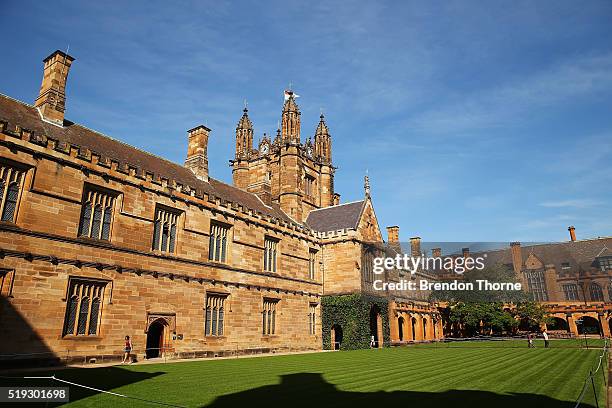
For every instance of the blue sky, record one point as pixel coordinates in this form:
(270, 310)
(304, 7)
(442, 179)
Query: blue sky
(477, 121)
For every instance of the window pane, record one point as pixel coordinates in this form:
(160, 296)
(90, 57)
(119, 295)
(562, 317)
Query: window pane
(172, 237)
(10, 206)
(211, 247)
(214, 321)
(93, 320)
(106, 224)
(71, 312)
(85, 220)
(156, 234)
(221, 322)
(207, 325)
(83, 316)
(97, 220)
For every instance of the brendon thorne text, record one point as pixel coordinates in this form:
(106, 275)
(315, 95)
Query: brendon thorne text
(481, 284)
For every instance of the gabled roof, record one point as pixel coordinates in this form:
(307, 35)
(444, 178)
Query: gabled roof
(570, 255)
(337, 217)
(26, 116)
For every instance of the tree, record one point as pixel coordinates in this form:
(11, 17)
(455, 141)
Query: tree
(532, 314)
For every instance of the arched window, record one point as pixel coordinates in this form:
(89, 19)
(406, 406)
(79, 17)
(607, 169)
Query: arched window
(97, 214)
(10, 186)
(84, 307)
(596, 292)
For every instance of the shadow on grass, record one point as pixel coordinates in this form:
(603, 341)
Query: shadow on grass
(105, 378)
(311, 390)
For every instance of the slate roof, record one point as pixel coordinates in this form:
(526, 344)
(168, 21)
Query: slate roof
(18, 113)
(337, 217)
(578, 254)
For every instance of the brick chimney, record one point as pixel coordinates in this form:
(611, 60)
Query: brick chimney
(572, 231)
(517, 257)
(436, 252)
(415, 246)
(336, 199)
(393, 234)
(197, 151)
(51, 101)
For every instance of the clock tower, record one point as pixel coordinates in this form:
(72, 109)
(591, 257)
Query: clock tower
(296, 176)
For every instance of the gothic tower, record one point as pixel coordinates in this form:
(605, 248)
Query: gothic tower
(323, 154)
(290, 132)
(323, 141)
(244, 147)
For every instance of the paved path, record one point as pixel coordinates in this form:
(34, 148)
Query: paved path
(159, 360)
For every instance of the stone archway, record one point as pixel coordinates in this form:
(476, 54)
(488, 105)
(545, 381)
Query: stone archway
(336, 337)
(424, 328)
(558, 324)
(376, 326)
(414, 328)
(157, 338)
(400, 328)
(589, 325)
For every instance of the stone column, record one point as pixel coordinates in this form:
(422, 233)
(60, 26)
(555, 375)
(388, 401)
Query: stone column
(604, 325)
(571, 323)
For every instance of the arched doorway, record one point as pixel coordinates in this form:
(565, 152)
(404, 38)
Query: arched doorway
(414, 329)
(336, 337)
(400, 328)
(589, 325)
(156, 338)
(558, 323)
(424, 329)
(376, 326)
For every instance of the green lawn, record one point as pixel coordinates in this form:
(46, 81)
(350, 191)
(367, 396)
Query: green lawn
(422, 376)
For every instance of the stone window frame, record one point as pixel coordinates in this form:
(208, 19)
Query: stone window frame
(163, 217)
(269, 316)
(537, 285)
(215, 300)
(312, 318)
(7, 281)
(78, 289)
(100, 197)
(570, 290)
(309, 185)
(219, 241)
(12, 174)
(596, 292)
(312, 263)
(271, 254)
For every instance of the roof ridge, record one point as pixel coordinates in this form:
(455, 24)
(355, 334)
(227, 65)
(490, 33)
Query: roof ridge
(334, 206)
(101, 134)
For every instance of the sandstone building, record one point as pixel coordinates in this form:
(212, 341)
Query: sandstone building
(99, 240)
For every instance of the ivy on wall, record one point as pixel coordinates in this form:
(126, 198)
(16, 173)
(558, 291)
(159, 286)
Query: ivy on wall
(352, 314)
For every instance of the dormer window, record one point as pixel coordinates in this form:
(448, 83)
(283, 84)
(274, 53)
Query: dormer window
(605, 263)
(565, 265)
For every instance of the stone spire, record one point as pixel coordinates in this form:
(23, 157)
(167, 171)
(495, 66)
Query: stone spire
(244, 136)
(323, 141)
(290, 126)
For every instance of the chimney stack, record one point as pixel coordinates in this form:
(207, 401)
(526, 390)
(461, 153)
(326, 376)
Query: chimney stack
(336, 199)
(415, 246)
(465, 252)
(393, 234)
(51, 101)
(517, 257)
(436, 252)
(197, 151)
(572, 231)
